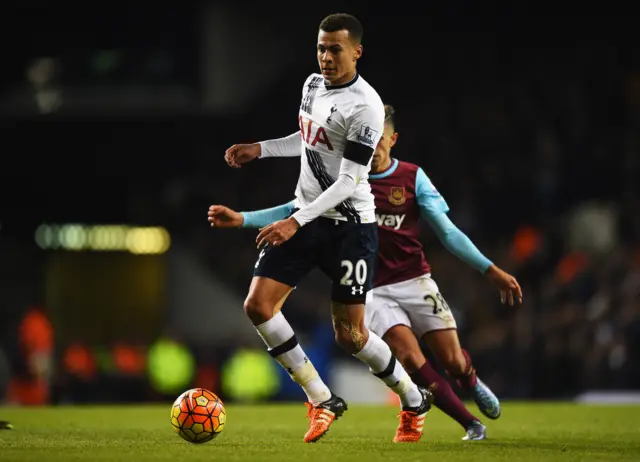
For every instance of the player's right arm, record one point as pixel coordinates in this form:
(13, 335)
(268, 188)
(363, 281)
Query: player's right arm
(239, 154)
(224, 217)
(289, 146)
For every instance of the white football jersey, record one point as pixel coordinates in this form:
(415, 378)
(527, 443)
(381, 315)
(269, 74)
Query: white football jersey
(329, 116)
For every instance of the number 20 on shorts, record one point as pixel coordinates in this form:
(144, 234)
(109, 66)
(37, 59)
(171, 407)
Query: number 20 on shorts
(359, 270)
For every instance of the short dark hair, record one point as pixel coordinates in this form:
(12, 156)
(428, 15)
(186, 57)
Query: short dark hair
(343, 21)
(389, 117)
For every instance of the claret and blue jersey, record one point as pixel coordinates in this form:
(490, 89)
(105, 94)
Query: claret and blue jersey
(403, 195)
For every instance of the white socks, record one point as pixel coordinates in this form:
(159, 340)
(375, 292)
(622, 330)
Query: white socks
(377, 355)
(281, 341)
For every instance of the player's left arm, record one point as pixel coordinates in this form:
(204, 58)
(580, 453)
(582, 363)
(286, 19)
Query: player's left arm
(348, 179)
(365, 125)
(433, 209)
(281, 231)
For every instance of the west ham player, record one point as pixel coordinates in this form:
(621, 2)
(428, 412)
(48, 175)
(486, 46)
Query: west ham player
(332, 226)
(405, 297)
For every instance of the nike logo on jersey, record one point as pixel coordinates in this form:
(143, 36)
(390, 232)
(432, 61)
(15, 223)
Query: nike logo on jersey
(391, 221)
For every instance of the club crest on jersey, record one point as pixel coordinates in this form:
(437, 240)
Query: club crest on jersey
(333, 109)
(396, 195)
(367, 135)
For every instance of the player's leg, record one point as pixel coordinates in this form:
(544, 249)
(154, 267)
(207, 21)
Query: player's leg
(432, 319)
(277, 271)
(350, 262)
(445, 345)
(385, 318)
(355, 338)
(263, 305)
(405, 347)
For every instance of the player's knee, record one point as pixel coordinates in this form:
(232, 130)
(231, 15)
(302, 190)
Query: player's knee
(257, 309)
(404, 347)
(351, 337)
(410, 359)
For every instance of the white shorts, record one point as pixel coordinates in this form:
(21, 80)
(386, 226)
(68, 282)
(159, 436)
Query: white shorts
(415, 303)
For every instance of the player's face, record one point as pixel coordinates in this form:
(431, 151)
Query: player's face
(382, 156)
(337, 56)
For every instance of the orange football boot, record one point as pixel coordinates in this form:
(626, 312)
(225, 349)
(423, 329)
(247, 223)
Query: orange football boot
(322, 415)
(412, 420)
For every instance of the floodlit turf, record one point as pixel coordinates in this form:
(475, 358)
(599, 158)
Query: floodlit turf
(535, 432)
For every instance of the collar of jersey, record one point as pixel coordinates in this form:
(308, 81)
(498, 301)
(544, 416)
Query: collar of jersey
(344, 85)
(392, 168)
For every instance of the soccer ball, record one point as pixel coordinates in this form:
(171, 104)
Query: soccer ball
(198, 415)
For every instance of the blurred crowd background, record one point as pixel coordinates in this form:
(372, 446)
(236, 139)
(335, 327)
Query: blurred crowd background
(114, 122)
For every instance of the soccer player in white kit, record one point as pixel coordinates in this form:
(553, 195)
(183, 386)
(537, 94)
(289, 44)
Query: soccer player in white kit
(332, 227)
(406, 301)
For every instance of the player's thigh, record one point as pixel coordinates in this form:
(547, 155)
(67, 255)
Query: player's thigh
(433, 321)
(266, 294)
(381, 314)
(426, 307)
(349, 260)
(290, 262)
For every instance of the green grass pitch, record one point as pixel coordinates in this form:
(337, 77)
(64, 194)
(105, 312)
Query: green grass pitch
(526, 431)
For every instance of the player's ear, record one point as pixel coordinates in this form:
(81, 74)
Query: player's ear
(358, 53)
(393, 139)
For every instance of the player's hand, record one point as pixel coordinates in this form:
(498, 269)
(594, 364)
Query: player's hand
(277, 233)
(509, 288)
(239, 154)
(223, 217)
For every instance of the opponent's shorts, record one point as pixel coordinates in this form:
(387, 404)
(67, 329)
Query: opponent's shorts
(345, 251)
(416, 303)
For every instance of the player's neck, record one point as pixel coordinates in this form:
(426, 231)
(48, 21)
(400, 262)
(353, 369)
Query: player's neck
(345, 80)
(382, 167)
